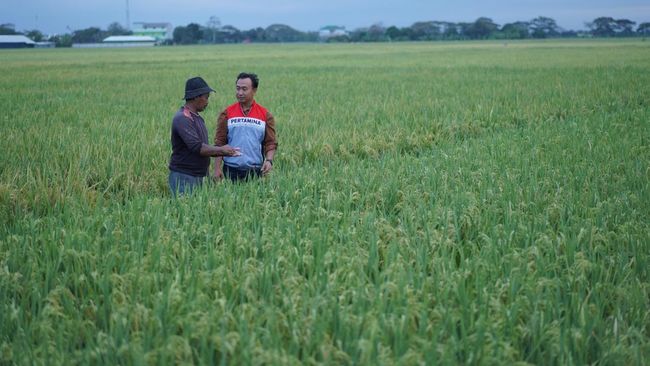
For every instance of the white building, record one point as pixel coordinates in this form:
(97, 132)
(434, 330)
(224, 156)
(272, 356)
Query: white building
(160, 31)
(330, 31)
(45, 44)
(16, 41)
(130, 41)
(119, 41)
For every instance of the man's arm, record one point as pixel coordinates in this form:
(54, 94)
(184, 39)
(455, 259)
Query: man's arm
(193, 142)
(220, 138)
(188, 134)
(270, 144)
(219, 151)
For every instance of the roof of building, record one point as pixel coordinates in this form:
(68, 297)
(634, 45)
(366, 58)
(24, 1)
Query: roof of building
(153, 25)
(129, 39)
(15, 39)
(332, 28)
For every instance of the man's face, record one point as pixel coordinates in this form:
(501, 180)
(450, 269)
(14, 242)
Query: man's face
(202, 102)
(245, 91)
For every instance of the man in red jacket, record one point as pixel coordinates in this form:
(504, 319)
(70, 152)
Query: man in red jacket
(251, 128)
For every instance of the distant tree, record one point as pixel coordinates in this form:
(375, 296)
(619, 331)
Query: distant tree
(643, 29)
(376, 33)
(407, 34)
(88, 35)
(482, 28)
(393, 33)
(179, 35)
(624, 27)
(195, 32)
(191, 34)
(252, 35)
(544, 27)
(357, 35)
(35, 35)
(116, 29)
(569, 34)
(603, 27)
(312, 36)
(63, 40)
(449, 30)
(344, 38)
(283, 33)
(6, 31)
(516, 30)
(463, 29)
(425, 31)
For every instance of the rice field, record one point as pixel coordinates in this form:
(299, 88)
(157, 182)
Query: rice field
(431, 203)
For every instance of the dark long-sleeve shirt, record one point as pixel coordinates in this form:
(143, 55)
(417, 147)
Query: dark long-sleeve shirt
(188, 134)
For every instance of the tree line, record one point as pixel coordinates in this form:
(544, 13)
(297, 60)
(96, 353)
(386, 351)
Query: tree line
(482, 28)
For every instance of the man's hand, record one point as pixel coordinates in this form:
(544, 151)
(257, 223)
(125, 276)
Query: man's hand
(267, 166)
(227, 150)
(218, 176)
(216, 151)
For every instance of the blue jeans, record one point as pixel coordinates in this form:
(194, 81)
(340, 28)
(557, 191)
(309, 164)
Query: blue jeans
(181, 183)
(236, 175)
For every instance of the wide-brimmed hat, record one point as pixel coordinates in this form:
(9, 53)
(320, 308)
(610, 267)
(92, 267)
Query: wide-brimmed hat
(196, 86)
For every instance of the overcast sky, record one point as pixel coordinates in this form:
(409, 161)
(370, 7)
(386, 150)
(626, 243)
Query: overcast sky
(61, 16)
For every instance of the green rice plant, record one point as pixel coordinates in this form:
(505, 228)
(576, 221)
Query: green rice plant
(431, 203)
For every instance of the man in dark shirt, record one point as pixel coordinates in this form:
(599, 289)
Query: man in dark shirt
(190, 158)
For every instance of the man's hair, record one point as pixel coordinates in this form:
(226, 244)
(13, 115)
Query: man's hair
(253, 77)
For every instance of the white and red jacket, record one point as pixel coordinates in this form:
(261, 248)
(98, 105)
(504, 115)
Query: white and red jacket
(253, 132)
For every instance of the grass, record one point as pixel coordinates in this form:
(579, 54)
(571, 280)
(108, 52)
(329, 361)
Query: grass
(431, 203)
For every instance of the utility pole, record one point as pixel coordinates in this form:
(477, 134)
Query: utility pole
(214, 24)
(128, 21)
